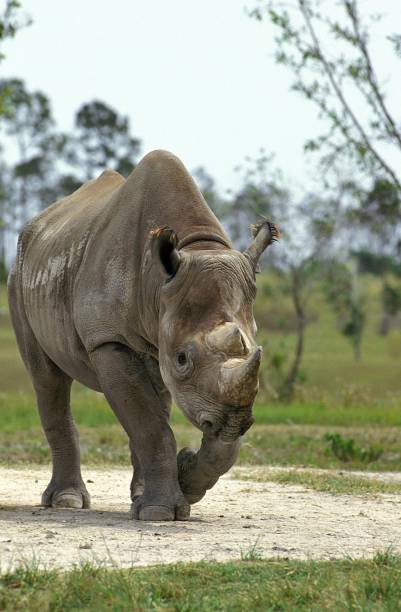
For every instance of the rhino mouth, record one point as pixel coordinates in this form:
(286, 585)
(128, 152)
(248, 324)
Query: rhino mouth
(231, 426)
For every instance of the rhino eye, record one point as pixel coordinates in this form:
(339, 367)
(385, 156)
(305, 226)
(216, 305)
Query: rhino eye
(181, 358)
(184, 363)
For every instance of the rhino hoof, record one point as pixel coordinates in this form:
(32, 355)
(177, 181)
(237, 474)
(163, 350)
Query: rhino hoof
(156, 513)
(66, 499)
(160, 513)
(70, 497)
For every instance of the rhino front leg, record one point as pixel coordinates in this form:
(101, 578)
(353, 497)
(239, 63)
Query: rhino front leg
(199, 471)
(137, 482)
(133, 395)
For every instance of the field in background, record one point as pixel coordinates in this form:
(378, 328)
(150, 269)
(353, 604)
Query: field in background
(359, 401)
(330, 372)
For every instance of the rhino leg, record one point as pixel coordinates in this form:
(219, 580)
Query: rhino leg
(52, 387)
(199, 471)
(127, 382)
(137, 482)
(66, 488)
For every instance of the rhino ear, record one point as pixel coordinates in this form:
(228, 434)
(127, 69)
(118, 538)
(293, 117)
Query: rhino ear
(264, 234)
(164, 250)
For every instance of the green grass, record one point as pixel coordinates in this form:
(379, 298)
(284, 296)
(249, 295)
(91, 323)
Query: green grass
(305, 445)
(307, 413)
(324, 482)
(283, 443)
(249, 585)
(360, 401)
(329, 367)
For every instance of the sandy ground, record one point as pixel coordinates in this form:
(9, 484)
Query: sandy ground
(233, 519)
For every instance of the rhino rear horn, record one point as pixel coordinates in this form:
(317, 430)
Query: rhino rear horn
(264, 234)
(164, 250)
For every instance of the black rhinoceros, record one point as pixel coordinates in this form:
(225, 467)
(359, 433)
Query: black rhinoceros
(104, 292)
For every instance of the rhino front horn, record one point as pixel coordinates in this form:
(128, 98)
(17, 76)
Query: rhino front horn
(239, 379)
(264, 234)
(227, 337)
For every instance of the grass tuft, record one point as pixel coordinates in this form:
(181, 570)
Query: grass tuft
(252, 553)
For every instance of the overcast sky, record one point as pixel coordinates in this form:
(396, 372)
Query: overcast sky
(197, 78)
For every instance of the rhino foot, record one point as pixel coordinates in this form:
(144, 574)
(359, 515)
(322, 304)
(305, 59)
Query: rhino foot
(143, 510)
(199, 471)
(69, 497)
(187, 462)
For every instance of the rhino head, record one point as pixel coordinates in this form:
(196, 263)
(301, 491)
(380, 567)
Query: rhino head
(208, 356)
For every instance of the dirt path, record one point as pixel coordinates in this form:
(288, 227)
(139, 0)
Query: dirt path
(234, 518)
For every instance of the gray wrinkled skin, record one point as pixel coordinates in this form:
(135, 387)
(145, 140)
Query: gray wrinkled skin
(104, 292)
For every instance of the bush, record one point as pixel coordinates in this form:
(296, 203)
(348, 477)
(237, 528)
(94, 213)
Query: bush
(346, 450)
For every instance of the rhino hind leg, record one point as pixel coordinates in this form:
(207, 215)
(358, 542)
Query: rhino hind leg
(66, 488)
(52, 388)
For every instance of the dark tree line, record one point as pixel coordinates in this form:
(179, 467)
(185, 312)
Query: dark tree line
(48, 164)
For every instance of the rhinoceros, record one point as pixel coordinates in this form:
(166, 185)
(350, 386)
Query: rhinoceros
(132, 287)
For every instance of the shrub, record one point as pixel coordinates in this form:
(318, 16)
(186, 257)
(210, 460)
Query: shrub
(346, 450)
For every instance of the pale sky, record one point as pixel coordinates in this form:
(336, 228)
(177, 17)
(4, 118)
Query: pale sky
(197, 78)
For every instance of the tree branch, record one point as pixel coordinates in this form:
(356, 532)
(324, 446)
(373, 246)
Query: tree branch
(390, 125)
(337, 90)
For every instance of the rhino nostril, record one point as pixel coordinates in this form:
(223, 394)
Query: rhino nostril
(206, 426)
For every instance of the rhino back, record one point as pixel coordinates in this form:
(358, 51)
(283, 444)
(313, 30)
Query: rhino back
(118, 287)
(50, 252)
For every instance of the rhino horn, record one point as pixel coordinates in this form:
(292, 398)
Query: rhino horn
(228, 338)
(239, 379)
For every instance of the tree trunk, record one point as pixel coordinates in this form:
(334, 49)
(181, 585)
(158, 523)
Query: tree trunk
(357, 348)
(287, 388)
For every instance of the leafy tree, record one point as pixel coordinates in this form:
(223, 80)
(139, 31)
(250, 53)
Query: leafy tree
(10, 23)
(378, 214)
(307, 228)
(343, 293)
(31, 127)
(102, 140)
(4, 220)
(261, 195)
(391, 301)
(374, 263)
(327, 47)
(378, 218)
